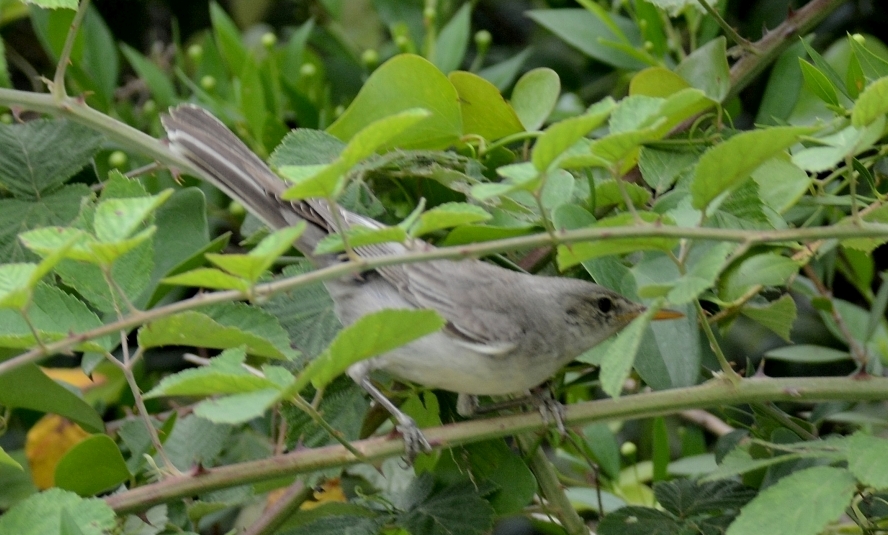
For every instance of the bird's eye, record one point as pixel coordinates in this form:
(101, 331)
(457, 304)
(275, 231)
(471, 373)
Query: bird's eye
(605, 304)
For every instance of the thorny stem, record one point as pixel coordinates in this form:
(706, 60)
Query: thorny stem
(857, 351)
(727, 28)
(58, 82)
(729, 372)
(550, 486)
(710, 394)
(144, 415)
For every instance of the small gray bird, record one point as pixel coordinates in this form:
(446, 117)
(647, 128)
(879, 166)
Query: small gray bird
(506, 332)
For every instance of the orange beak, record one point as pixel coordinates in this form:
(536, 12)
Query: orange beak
(666, 314)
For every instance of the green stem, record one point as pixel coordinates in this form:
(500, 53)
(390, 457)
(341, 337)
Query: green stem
(550, 487)
(729, 31)
(711, 394)
(59, 92)
(728, 372)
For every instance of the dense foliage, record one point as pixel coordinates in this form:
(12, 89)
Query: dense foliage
(167, 365)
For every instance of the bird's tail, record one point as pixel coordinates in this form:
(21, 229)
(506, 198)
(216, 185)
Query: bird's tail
(228, 164)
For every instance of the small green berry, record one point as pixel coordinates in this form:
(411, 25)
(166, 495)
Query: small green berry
(628, 449)
(149, 107)
(483, 39)
(370, 58)
(6, 118)
(236, 209)
(403, 43)
(195, 52)
(308, 70)
(208, 83)
(859, 38)
(269, 40)
(117, 159)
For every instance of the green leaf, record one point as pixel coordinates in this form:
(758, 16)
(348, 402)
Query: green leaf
(608, 194)
(701, 275)
(456, 508)
(228, 39)
(562, 135)
(866, 459)
(620, 355)
(707, 69)
(826, 70)
(872, 104)
(196, 441)
(224, 374)
(5, 81)
(518, 176)
(484, 110)
(661, 168)
(209, 278)
(37, 156)
(220, 327)
(360, 236)
(93, 465)
(158, 82)
(405, 82)
(818, 83)
(871, 62)
(590, 34)
(448, 215)
(373, 334)
(329, 180)
(56, 316)
(809, 354)
(254, 264)
(779, 315)
(17, 281)
(8, 460)
(768, 269)
(875, 218)
(503, 73)
(344, 407)
(835, 147)
(778, 509)
(727, 165)
(781, 183)
(687, 498)
(534, 97)
(656, 82)
(41, 514)
(305, 147)
(571, 255)
(306, 313)
(116, 219)
(17, 217)
(238, 408)
(855, 80)
(635, 520)
(183, 230)
(453, 40)
(27, 387)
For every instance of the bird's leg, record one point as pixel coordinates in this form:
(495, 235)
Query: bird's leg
(550, 409)
(414, 441)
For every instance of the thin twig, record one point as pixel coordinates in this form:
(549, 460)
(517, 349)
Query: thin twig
(58, 82)
(858, 351)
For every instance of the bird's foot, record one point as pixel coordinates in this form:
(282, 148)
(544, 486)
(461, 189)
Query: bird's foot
(415, 441)
(550, 409)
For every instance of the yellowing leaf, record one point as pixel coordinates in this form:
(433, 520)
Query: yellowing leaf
(46, 442)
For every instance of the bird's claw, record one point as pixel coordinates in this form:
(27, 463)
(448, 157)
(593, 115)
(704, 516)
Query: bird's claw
(415, 441)
(551, 410)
